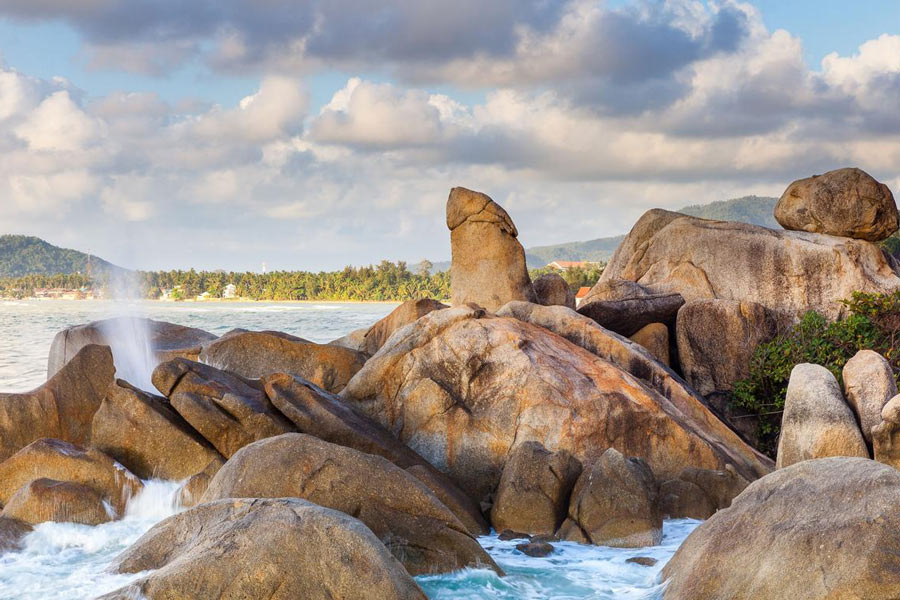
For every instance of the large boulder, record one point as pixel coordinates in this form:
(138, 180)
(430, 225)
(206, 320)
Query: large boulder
(403, 315)
(717, 339)
(44, 499)
(488, 262)
(61, 408)
(869, 384)
(845, 202)
(133, 340)
(827, 528)
(698, 493)
(415, 526)
(316, 412)
(226, 409)
(550, 289)
(788, 272)
(463, 389)
(615, 503)
(626, 307)
(533, 494)
(62, 461)
(279, 549)
(817, 422)
(355, 340)
(144, 433)
(253, 354)
(655, 339)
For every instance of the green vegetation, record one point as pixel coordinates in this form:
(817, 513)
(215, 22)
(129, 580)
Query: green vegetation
(872, 322)
(22, 255)
(576, 278)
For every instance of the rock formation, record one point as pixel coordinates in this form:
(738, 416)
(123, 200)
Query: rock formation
(655, 339)
(868, 383)
(408, 312)
(626, 307)
(44, 500)
(550, 289)
(886, 435)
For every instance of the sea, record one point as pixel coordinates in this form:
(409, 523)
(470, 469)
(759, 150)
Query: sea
(70, 561)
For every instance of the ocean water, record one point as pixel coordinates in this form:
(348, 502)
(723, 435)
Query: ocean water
(69, 561)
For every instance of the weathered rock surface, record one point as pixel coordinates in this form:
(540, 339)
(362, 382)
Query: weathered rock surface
(226, 409)
(415, 526)
(488, 262)
(886, 435)
(536, 549)
(817, 422)
(868, 384)
(11, 533)
(615, 503)
(789, 272)
(463, 389)
(819, 529)
(167, 340)
(717, 339)
(403, 315)
(533, 494)
(626, 307)
(355, 340)
(144, 433)
(193, 489)
(327, 417)
(62, 461)
(845, 202)
(550, 289)
(253, 354)
(698, 493)
(61, 408)
(655, 339)
(278, 549)
(44, 500)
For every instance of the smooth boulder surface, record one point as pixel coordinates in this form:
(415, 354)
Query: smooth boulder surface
(463, 389)
(327, 417)
(166, 340)
(868, 384)
(144, 433)
(226, 409)
(817, 422)
(655, 339)
(615, 503)
(550, 289)
(626, 307)
(61, 408)
(845, 202)
(278, 549)
(533, 494)
(44, 500)
(487, 261)
(789, 272)
(190, 493)
(403, 315)
(827, 528)
(415, 526)
(253, 354)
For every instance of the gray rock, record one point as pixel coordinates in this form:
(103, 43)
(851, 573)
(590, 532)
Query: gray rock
(868, 384)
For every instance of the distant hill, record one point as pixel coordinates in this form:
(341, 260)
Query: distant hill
(27, 255)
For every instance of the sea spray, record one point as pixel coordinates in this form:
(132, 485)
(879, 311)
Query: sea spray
(129, 333)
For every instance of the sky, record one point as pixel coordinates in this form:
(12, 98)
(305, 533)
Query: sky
(163, 134)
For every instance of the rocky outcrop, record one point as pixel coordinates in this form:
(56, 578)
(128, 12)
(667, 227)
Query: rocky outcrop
(488, 262)
(166, 340)
(717, 339)
(355, 340)
(655, 339)
(533, 494)
(325, 416)
(62, 461)
(868, 384)
(614, 503)
(550, 289)
(61, 408)
(698, 493)
(253, 354)
(415, 526)
(226, 409)
(144, 433)
(626, 307)
(816, 423)
(44, 500)
(818, 529)
(277, 549)
(788, 272)
(844, 202)
(403, 315)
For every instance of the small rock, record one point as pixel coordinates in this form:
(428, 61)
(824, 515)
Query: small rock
(644, 561)
(508, 534)
(536, 549)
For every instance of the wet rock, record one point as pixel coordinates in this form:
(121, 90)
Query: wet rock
(44, 500)
(644, 561)
(536, 549)
(11, 533)
(403, 315)
(508, 534)
(550, 289)
(868, 383)
(655, 338)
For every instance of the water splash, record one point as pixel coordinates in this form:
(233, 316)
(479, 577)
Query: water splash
(129, 332)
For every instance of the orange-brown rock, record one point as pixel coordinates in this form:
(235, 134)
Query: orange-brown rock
(193, 489)
(655, 338)
(44, 500)
(550, 289)
(403, 315)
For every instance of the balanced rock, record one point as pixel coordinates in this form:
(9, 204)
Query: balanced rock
(488, 262)
(655, 339)
(626, 307)
(550, 289)
(278, 549)
(818, 529)
(788, 272)
(533, 494)
(868, 383)
(845, 202)
(817, 422)
(403, 315)
(61, 408)
(463, 389)
(226, 409)
(415, 526)
(615, 503)
(253, 354)
(44, 500)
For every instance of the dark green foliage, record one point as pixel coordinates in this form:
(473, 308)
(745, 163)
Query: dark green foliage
(25, 255)
(576, 278)
(873, 323)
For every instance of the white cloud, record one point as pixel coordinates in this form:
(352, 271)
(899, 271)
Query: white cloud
(58, 124)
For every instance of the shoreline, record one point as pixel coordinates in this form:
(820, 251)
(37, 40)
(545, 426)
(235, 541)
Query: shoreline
(209, 301)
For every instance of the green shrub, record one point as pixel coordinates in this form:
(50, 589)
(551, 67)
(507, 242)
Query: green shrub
(873, 322)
